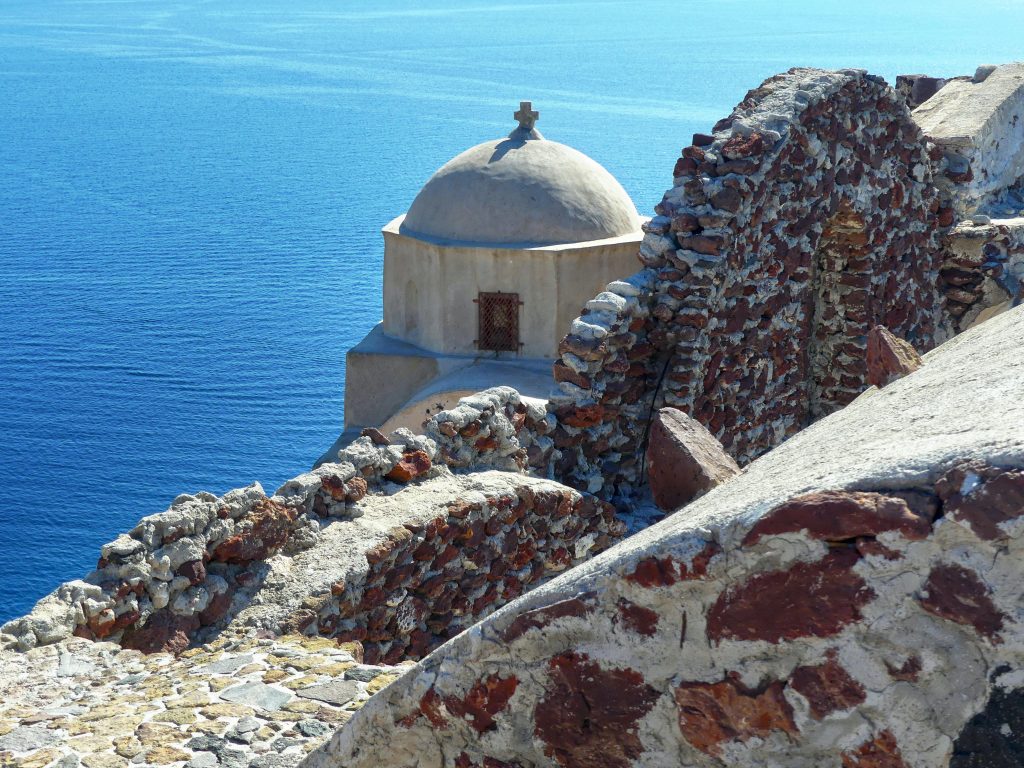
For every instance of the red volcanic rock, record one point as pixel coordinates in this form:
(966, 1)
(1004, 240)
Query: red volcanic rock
(909, 671)
(263, 530)
(827, 687)
(355, 489)
(165, 631)
(807, 600)
(983, 497)
(713, 713)
(743, 146)
(664, 572)
(105, 623)
(485, 699)
(880, 752)
(589, 714)
(577, 607)
(412, 465)
(889, 357)
(638, 619)
(841, 516)
(216, 609)
(193, 570)
(957, 594)
(684, 460)
(584, 416)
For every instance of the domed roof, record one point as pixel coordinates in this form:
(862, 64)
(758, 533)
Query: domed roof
(522, 190)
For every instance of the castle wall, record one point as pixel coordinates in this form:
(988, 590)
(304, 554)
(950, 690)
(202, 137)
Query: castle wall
(806, 217)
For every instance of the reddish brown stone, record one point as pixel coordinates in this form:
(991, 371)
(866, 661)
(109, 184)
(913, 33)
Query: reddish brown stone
(880, 752)
(743, 146)
(983, 497)
(684, 460)
(808, 600)
(102, 628)
(355, 489)
(584, 416)
(841, 516)
(334, 486)
(589, 715)
(576, 607)
(889, 357)
(563, 372)
(957, 594)
(711, 714)
(263, 530)
(910, 670)
(193, 570)
(165, 631)
(485, 699)
(654, 572)
(664, 572)
(638, 619)
(412, 465)
(827, 687)
(216, 609)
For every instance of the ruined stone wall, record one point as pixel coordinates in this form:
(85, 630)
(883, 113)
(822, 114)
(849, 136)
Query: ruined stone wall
(851, 600)
(402, 583)
(176, 572)
(806, 217)
(427, 581)
(493, 429)
(983, 269)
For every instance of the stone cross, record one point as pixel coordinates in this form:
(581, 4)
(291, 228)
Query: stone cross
(526, 116)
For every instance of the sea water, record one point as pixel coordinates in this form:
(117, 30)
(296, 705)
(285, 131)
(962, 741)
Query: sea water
(191, 195)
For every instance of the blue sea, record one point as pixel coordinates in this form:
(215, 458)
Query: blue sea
(191, 195)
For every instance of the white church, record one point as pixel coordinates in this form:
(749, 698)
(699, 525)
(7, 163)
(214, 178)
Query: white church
(484, 274)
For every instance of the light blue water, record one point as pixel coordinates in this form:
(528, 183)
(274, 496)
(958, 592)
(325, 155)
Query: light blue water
(191, 195)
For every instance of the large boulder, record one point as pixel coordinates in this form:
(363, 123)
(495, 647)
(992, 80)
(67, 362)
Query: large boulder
(851, 599)
(684, 460)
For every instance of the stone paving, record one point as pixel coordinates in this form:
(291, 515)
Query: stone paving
(239, 701)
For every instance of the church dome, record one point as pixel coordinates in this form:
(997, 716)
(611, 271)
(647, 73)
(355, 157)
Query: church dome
(521, 190)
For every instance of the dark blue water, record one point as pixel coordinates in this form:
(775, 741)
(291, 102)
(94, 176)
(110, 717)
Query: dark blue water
(191, 195)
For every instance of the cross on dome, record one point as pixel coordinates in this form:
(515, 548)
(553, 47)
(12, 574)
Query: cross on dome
(526, 115)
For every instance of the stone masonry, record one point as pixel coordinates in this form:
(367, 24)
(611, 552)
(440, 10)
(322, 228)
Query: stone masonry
(852, 600)
(802, 220)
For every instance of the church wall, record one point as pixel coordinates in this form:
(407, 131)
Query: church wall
(806, 217)
(552, 282)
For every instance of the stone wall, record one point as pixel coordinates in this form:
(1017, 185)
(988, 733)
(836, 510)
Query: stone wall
(851, 600)
(430, 579)
(493, 429)
(432, 556)
(806, 217)
(983, 269)
(176, 572)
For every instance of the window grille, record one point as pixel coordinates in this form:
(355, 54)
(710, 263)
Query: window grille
(498, 321)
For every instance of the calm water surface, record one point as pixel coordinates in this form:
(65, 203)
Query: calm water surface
(191, 195)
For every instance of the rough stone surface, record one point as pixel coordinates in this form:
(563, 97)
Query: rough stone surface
(842, 602)
(111, 708)
(684, 460)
